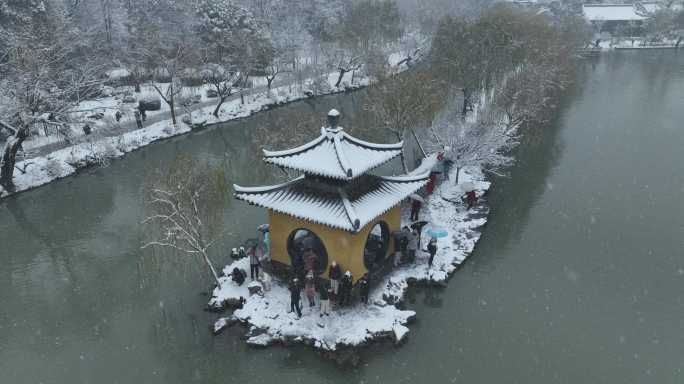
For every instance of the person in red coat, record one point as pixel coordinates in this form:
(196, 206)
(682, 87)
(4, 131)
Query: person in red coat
(471, 199)
(430, 187)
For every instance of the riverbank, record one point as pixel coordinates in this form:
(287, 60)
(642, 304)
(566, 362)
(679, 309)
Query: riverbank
(607, 45)
(269, 322)
(40, 170)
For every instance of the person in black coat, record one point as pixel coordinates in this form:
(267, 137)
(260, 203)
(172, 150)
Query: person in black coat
(364, 288)
(295, 297)
(345, 289)
(432, 250)
(237, 276)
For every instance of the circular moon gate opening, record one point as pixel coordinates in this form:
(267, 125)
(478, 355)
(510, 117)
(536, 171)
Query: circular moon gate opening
(304, 246)
(377, 244)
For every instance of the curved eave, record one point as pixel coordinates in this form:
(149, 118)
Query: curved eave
(245, 198)
(267, 188)
(376, 146)
(339, 176)
(294, 151)
(406, 178)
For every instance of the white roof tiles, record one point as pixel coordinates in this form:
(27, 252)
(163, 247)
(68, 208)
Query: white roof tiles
(617, 12)
(334, 209)
(335, 154)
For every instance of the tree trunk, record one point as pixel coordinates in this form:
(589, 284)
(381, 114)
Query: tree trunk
(173, 110)
(420, 146)
(403, 161)
(339, 79)
(402, 156)
(464, 111)
(9, 157)
(211, 268)
(221, 101)
(458, 173)
(269, 81)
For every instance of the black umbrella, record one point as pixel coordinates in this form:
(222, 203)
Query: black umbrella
(418, 225)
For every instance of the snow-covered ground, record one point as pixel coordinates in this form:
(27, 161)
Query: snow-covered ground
(40, 170)
(267, 316)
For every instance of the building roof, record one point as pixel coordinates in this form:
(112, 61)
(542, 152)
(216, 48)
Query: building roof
(618, 12)
(347, 206)
(335, 154)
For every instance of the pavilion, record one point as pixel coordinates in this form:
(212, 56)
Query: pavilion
(335, 208)
(608, 17)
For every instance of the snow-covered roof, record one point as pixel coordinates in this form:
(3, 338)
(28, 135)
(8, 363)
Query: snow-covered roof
(618, 12)
(344, 206)
(335, 154)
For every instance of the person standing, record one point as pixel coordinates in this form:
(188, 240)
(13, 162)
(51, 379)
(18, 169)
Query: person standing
(295, 296)
(412, 245)
(253, 263)
(325, 300)
(404, 243)
(346, 288)
(446, 167)
(267, 245)
(117, 116)
(432, 183)
(471, 199)
(397, 236)
(432, 250)
(310, 289)
(334, 274)
(364, 288)
(138, 120)
(415, 209)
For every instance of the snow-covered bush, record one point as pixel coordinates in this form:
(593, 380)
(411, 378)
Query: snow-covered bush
(320, 85)
(169, 129)
(109, 150)
(54, 168)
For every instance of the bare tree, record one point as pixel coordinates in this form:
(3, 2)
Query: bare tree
(344, 62)
(187, 210)
(169, 62)
(34, 88)
(276, 67)
(483, 143)
(221, 80)
(403, 102)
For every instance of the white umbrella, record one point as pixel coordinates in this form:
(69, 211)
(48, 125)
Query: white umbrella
(417, 197)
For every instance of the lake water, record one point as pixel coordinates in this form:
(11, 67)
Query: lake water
(578, 276)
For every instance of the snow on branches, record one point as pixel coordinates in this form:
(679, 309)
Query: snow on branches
(186, 207)
(484, 142)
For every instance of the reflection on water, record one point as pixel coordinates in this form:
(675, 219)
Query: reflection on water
(575, 279)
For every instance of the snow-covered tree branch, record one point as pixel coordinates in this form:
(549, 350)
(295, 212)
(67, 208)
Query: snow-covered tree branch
(186, 208)
(485, 142)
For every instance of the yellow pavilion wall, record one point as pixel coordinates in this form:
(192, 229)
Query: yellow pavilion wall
(342, 246)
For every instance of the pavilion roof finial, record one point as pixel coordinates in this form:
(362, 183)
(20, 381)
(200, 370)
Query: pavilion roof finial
(335, 153)
(333, 118)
